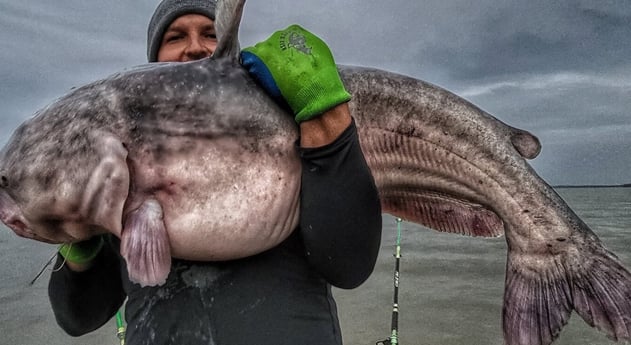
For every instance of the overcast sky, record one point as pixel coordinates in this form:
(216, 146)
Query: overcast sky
(559, 69)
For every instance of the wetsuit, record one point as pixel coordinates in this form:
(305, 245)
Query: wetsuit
(278, 297)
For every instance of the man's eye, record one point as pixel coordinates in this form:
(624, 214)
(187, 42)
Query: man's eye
(172, 38)
(211, 35)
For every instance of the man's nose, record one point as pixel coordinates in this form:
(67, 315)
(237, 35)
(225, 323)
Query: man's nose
(196, 50)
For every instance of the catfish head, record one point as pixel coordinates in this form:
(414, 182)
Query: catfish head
(62, 182)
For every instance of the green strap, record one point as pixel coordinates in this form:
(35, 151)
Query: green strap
(82, 252)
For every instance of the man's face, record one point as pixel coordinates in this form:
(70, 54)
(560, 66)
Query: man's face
(190, 37)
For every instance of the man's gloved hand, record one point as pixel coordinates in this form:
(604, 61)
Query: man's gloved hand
(295, 66)
(82, 252)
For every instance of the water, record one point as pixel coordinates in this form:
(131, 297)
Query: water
(451, 286)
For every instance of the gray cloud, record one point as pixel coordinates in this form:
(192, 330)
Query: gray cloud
(537, 36)
(558, 69)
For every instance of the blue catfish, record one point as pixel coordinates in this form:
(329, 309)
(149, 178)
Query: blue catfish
(195, 161)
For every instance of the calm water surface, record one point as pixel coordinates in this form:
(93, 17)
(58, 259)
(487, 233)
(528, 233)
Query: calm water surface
(451, 286)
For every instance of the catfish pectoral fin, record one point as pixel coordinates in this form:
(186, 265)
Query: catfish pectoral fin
(107, 188)
(145, 245)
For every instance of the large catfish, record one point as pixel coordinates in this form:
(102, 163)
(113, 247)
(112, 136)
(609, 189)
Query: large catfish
(193, 160)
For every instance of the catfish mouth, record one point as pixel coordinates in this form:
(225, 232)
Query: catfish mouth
(45, 240)
(23, 230)
(57, 240)
(20, 229)
(17, 226)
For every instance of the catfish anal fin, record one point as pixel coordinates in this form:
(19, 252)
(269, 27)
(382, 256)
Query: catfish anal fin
(442, 213)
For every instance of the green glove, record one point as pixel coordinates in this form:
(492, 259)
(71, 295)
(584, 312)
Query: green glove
(298, 66)
(82, 252)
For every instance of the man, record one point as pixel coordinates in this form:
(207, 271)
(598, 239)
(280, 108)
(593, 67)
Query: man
(283, 295)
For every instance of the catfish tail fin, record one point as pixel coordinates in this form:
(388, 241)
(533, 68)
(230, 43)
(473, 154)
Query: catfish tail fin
(541, 293)
(602, 294)
(537, 303)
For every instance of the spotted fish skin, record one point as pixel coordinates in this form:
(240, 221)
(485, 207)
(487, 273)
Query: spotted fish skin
(442, 162)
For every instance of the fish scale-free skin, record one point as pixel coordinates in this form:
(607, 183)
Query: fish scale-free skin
(200, 149)
(216, 164)
(442, 162)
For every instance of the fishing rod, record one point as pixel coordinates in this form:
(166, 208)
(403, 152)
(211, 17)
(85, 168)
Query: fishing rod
(39, 274)
(120, 323)
(120, 327)
(394, 334)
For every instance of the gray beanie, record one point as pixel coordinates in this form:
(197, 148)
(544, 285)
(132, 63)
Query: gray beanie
(168, 11)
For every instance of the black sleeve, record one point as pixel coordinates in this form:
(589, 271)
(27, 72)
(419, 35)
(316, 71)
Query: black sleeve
(340, 218)
(84, 301)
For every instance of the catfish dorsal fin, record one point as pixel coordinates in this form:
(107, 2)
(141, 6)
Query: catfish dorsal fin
(227, 24)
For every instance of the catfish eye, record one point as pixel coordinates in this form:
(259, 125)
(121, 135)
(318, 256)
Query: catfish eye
(4, 182)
